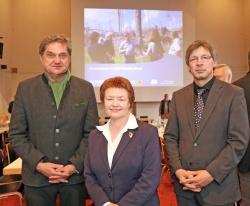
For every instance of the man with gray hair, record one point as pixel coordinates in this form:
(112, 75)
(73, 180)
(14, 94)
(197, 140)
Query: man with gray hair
(244, 166)
(223, 72)
(50, 123)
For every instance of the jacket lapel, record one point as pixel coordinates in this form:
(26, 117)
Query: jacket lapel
(103, 151)
(212, 99)
(126, 138)
(189, 104)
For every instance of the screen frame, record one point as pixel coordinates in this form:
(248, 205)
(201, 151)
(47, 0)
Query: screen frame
(142, 94)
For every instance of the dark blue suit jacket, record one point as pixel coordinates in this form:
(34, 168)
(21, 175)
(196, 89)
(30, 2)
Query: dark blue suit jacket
(135, 172)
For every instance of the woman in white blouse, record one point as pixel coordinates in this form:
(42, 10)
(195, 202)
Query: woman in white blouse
(123, 163)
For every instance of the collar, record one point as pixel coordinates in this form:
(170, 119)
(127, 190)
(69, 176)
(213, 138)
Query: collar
(65, 79)
(131, 124)
(207, 86)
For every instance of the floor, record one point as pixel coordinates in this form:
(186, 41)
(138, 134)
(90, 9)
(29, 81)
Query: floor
(166, 192)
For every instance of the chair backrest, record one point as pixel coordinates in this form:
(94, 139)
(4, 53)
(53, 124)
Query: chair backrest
(10, 183)
(4, 155)
(7, 154)
(11, 198)
(144, 118)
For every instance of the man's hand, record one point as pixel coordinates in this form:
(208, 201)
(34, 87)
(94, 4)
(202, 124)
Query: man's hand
(49, 169)
(56, 172)
(65, 173)
(200, 179)
(184, 176)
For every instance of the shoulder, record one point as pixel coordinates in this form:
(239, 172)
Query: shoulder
(94, 132)
(81, 86)
(31, 82)
(147, 130)
(184, 90)
(227, 92)
(94, 135)
(230, 88)
(244, 81)
(76, 81)
(146, 135)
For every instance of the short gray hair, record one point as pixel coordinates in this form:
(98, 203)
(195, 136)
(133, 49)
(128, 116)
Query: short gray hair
(60, 38)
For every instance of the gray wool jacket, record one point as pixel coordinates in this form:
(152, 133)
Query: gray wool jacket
(40, 131)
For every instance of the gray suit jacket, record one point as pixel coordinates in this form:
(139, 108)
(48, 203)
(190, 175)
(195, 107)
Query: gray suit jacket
(135, 172)
(244, 83)
(38, 130)
(218, 144)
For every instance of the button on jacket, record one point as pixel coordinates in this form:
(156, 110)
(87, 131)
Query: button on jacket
(40, 131)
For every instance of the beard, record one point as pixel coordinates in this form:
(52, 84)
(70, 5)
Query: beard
(202, 76)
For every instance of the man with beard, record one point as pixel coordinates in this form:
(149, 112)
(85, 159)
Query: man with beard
(207, 134)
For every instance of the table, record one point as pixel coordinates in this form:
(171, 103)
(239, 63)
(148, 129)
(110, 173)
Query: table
(14, 168)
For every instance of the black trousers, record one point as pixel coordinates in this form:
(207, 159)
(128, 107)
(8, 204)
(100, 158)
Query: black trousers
(195, 201)
(73, 195)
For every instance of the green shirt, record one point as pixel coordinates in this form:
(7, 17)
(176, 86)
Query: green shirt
(58, 88)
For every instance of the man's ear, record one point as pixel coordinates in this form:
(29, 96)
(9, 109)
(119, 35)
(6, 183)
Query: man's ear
(41, 58)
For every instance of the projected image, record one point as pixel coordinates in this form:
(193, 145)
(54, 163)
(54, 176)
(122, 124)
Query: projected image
(145, 46)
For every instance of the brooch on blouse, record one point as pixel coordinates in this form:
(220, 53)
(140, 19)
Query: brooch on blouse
(130, 134)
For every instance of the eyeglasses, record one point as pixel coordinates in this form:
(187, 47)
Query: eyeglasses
(52, 55)
(203, 58)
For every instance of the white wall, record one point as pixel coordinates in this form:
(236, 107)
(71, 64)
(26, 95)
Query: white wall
(222, 23)
(23, 23)
(5, 30)
(246, 14)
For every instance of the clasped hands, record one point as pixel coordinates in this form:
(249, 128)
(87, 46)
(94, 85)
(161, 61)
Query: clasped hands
(193, 180)
(56, 173)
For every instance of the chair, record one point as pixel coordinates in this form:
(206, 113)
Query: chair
(7, 154)
(4, 156)
(10, 183)
(11, 198)
(144, 119)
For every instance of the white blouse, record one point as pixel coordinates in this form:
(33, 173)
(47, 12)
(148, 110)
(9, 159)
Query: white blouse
(112, 146)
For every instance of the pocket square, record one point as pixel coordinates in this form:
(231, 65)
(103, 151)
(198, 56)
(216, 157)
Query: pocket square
(76, 105)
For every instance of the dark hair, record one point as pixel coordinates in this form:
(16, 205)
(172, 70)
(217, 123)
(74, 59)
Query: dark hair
(195, 45)
(118, 82)
(94, 36)
(155, 35)
(60, 38)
